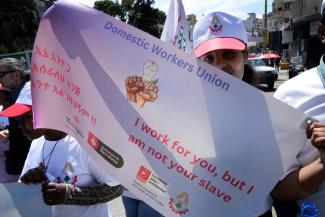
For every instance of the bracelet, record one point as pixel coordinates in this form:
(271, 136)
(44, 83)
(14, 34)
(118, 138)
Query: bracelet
(68, 192)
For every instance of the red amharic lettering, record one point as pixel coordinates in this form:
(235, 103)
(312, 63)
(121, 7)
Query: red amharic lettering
(60, 61)
(44, 85)
(77, 105)
(74, 88)
(58, 91)
(43, 69)
(41, 52)
(37, 84)
(55, 58)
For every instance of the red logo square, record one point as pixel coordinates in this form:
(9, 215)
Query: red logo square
(93, 141)
(143, 174)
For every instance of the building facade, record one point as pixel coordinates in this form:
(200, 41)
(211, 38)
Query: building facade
(191, 19)
(305, 42)
(294, 23)
(253, 26)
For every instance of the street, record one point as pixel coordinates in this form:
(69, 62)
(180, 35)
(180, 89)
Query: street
(117, 208)
(283, 76)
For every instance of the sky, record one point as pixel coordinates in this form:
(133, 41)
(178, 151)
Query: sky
(239, 8)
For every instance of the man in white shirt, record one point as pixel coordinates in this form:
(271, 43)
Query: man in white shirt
(72, 183)
(306, 92)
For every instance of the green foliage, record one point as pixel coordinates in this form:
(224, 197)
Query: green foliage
(138, 13)
(48, 3)
(19, 23)
(111, 8)
(20, 19)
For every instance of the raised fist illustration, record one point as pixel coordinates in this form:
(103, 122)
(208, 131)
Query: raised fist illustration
(134, 85)
(149, 93)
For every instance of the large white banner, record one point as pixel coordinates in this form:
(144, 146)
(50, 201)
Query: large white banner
(18, 200)
(180, 134)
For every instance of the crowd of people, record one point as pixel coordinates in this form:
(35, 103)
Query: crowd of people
(44, 156)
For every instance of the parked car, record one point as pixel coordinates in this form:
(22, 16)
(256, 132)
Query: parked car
(265, 74)
(295, 67)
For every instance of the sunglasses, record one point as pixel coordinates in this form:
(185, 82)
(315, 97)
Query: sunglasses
(3, 73)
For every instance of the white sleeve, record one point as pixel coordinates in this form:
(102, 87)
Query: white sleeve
(281, 94)
(307, 153)
(99, 174)
(31, 158)
(25, 169)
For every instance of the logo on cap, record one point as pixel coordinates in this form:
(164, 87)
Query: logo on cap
(215, 26)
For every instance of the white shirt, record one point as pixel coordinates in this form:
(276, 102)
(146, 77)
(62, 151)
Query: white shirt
(306, 93)
(68, 163)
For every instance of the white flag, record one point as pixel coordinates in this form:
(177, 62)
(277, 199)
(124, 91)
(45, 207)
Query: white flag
(176, 29)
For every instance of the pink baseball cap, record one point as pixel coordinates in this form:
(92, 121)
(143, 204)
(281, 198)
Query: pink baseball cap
(22, 105)
(217, 31)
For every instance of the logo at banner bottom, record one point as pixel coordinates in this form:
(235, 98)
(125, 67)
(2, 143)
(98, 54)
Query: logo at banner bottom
(179, 204)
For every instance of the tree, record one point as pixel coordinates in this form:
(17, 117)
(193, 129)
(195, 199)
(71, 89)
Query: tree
(138, 13)
(48, 3)
(147, 18)
(111, 8)
(19, 22)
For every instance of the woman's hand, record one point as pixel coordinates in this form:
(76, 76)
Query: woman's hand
(4, 135)
(316, 134)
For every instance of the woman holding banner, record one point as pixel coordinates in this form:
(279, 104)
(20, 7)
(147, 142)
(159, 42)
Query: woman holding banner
(220, 39)
(222, 44)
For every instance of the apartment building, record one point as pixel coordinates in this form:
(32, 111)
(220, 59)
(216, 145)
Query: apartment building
(294, 24)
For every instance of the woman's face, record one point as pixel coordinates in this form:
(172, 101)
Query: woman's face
(230, 61)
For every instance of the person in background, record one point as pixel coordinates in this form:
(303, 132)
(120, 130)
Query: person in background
(305, 181)
(12, 79)
(4, 144)
(137, 208)
(72, 183)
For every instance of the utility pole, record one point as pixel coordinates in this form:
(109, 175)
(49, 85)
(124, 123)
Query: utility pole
(266, 34)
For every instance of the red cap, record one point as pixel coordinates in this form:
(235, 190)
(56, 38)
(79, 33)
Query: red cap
(16, 110)
(23, 103)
